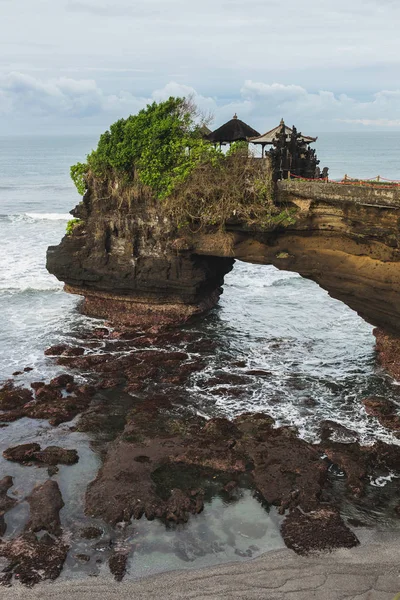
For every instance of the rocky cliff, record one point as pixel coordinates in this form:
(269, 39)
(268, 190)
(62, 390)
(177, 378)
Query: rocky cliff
(133, 265)
(122, 257)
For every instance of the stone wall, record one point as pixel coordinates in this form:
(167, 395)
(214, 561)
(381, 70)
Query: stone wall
(388, 196)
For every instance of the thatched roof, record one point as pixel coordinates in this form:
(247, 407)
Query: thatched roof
(270, 136)
(234, 130)
(204, 131)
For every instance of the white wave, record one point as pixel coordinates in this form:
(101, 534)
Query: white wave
(382, 481)
(30, 288)
(49, 216)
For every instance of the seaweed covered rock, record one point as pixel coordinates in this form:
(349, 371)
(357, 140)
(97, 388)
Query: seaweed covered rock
(45, 503)
(13, 398)
(32, 560)
(6, 502)
(322, 529)
(32, 453)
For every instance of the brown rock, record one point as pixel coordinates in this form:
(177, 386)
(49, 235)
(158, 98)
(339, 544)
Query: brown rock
(117, 563)
(361, 462)
(23, 453)
(53, 455)
(50, 404)
(12, 398)
(56, 350)
(386, 411)
(74, 351)
(45, 503)
(322, 529)
(91, 533)
(286, 470)
(258, 373)
(3, 527)
(327, 428)
(32, 560)
(388, 351)
(61, 381)
(36, 385)
(100, 332)
(83, 557)
(230, 487)
(6, 503)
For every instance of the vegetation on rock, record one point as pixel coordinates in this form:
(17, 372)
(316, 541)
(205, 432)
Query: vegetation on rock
(162, 144)
(72, 223)
(162, 151)
(78, 176)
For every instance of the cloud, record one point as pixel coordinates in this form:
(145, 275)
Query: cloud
(112, 9)
(261, 104)
(373, 122)
(295, 104)
(79, 98)
(75, 97)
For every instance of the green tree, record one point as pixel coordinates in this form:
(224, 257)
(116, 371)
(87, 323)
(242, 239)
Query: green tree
(161, 145)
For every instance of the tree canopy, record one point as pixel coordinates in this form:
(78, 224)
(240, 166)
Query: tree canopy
(161, 145)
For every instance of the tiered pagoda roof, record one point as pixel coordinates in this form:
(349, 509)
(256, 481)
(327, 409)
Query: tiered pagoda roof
(234, 130)
(271, 136)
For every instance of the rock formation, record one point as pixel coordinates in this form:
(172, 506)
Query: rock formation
(133, 266)
(123, 261)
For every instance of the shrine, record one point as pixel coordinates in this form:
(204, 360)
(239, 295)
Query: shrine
(234, 130)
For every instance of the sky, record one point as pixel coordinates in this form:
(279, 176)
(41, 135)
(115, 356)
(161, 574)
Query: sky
(75, 66)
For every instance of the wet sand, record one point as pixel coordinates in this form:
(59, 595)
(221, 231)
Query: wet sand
(368, 572)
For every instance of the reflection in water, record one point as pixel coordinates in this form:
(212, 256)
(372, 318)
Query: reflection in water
(224, 532)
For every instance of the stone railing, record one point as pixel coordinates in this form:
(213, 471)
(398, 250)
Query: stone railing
(380, 196)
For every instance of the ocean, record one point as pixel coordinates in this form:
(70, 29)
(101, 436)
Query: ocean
(319, 354)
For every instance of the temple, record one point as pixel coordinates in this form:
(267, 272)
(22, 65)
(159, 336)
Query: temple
(290, 153)
(271, 137)
(234, 130)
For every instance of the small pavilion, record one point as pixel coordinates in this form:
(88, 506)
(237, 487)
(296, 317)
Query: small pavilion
(234, 130)
(268, 139)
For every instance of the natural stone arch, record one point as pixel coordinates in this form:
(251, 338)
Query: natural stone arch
(344, 238)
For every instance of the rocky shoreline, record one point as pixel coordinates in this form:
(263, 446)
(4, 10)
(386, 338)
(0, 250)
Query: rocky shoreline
(159, 458)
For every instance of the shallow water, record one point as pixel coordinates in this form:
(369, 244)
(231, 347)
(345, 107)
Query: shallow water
(314, 359)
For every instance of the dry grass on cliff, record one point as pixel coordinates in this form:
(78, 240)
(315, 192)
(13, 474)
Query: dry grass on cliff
(239, 190)
(126, 193)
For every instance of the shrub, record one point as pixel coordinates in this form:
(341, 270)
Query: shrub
(78, 176)
(72, 223)
(161, 145)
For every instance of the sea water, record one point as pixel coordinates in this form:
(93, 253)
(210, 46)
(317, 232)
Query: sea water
(317, 354)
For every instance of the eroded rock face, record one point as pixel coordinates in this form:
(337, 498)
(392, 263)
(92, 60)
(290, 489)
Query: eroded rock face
(124, 263)
(133, 266)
